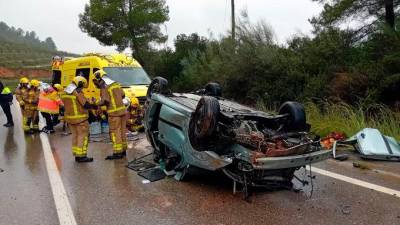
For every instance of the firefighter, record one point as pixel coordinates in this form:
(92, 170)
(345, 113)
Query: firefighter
(31, 100)
(112, 97)
(19, 93)
(134, 116)
(76, 115)
(59, 89)
(49, 105)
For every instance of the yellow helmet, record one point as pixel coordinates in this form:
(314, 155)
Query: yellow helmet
(58, 87)
(79, 79)
(24, 80)
(99, 74)
(134, 101)
(34, 83)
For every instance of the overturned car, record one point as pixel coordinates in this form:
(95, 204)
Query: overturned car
(251, 147)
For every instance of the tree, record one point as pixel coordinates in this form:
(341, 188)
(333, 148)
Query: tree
(133, 24)
(169, 63)
(367, 13)
(49, 43)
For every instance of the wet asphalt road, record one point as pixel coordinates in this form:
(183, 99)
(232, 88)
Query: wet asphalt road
(105, 192)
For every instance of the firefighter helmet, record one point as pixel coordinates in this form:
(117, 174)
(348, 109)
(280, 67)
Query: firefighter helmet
(134, 101)
(24, 80)
(58, 87)
(99, 74)
(79, 79)
(34, 83)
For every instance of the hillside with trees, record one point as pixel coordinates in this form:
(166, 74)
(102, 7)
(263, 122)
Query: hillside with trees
(24, 49)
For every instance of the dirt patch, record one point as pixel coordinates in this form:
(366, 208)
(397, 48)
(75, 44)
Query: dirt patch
(8, 73)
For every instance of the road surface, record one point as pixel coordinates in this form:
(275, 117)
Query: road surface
(41, 184)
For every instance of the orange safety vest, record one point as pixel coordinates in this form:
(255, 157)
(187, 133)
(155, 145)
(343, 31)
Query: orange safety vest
(49, 102)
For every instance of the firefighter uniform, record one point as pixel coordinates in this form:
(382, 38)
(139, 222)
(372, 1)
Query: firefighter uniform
(134, 116)
(112, 96)
(76, 115)
(31, 100)
(21, 90)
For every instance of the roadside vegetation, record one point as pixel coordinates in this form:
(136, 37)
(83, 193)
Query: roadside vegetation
(13, 83)
(23, 49)
(327, 117)
(348, 74)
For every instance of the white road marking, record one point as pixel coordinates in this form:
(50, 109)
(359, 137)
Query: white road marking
(356, 182)
(63, 207)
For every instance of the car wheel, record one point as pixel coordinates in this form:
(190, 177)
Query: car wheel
(158, 85)
(204, 121)
(296, 116)
(213, 89)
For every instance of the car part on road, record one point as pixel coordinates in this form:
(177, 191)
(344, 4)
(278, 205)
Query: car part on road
(372, 144)
(153, 174)
(140, 165)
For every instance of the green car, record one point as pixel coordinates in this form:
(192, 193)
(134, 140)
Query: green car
(202, 129)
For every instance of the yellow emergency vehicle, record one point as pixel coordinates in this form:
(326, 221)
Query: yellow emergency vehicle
(119, 67)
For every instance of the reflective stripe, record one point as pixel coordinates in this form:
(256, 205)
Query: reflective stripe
(116, 109)
(6, 91)
(76, 117)
(75, 109)
(114, 105)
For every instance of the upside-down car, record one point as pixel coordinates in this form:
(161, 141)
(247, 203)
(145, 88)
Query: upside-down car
(251, 147)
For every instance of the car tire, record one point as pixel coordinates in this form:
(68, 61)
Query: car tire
(158, 85)
(203, 123)
(296, 116)
(213, 89)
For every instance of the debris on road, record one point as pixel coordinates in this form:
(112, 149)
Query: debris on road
(346, 209)
(1, 170)
(361, 165)
(328, 141)
(372, 144)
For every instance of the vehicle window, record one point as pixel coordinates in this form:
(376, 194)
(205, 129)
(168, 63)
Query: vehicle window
(83, 72)
(56, 78)
(128, 76)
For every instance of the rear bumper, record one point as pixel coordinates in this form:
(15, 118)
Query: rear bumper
(270, 163)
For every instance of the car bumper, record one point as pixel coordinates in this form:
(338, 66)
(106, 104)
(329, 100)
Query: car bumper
(270, 163)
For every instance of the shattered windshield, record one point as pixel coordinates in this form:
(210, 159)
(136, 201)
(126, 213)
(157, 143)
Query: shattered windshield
(128, 76)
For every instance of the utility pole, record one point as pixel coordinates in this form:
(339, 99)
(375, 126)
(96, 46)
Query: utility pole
(233, 20)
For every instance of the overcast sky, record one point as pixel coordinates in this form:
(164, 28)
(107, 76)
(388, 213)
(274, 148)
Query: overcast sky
(59, 19)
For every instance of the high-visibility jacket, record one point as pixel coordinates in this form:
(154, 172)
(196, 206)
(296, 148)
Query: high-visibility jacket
(112, 96)
(31, 98)
(6, 95)
(49, 102)
(75, 111)
(19, 93)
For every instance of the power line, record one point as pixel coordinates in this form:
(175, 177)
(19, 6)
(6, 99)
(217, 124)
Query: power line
(233, 19)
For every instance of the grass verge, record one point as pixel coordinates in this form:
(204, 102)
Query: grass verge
(13, 83)
(326, 117)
